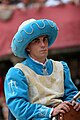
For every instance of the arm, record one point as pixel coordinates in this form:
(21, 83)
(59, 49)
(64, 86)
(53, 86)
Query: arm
(17, 97)
(70, 90)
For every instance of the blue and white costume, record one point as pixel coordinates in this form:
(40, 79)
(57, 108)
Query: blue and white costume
(17, 90)
(32, 88)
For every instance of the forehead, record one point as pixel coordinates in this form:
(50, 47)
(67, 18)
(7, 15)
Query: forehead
(41, 36)
(38, 38)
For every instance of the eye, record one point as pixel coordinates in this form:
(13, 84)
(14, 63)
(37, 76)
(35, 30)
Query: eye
(35, 41)
(46, 38)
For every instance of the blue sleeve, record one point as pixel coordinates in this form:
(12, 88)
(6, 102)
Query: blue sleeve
(70, 90)
(17, 97)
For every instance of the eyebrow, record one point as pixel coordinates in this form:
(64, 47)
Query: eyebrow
(41, 36)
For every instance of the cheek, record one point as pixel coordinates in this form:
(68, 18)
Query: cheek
(34, 50)
(47, 45)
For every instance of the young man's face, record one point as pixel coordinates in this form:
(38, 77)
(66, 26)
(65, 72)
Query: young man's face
(38, 48)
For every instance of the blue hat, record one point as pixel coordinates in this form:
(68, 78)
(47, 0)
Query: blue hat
(28, 31)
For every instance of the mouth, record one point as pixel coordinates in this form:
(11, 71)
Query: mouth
(44, 50)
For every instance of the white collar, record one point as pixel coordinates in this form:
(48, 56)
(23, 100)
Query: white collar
(38, 61)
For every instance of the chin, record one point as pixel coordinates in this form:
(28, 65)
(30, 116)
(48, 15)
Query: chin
(44, 56)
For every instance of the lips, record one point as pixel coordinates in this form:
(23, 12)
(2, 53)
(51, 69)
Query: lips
(45, 50)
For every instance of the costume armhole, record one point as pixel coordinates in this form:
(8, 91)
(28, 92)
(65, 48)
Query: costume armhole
(23, 68)
(58, 63)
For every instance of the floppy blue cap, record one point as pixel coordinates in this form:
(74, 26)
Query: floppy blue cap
(28, 31)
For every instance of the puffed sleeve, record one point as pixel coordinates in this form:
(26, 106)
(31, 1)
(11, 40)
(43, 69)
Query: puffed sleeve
(70, 90)
(17, 97)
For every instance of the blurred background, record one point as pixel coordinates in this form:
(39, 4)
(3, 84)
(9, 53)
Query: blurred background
(66, 14)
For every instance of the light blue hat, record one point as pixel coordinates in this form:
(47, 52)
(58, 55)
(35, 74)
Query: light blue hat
(28, 31)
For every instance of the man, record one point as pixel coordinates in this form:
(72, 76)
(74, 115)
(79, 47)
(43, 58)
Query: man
(38, 88)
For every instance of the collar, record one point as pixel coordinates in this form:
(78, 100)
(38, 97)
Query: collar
(43, 64)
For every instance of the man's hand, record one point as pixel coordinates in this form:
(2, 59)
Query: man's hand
(61, 108)
(76, 105)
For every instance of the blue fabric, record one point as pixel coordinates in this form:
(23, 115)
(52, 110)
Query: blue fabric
(10, 116)
(70, 88)
(31, 31)
(16, 91)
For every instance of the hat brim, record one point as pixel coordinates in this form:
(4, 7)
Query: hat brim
(29, 32)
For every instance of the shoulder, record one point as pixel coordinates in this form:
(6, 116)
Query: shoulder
(14, 72)
(62, 64)
(65, 65)
(57, 63)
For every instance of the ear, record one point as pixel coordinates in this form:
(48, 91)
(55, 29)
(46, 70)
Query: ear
(27, 48)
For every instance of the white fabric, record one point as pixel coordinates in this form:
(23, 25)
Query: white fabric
(52, 3)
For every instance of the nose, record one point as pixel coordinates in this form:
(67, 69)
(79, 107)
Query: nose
(42, 43)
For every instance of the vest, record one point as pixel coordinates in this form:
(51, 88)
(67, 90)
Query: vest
(48, 89)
